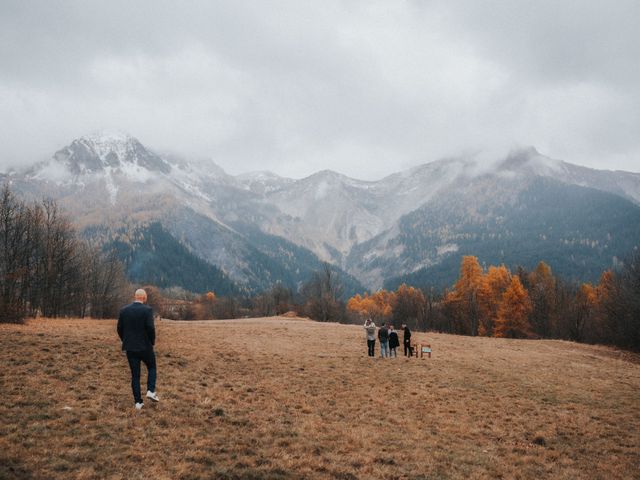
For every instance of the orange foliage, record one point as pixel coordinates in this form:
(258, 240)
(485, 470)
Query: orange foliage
(490, 292)
(513, 312)
(588, 294)
(606, 288)
(410, 297)
(470, 276)
(377, 306)
(462, 301)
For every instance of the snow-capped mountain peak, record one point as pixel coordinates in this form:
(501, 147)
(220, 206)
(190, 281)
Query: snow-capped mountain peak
(106, 150)
(111, 147)
(106, 141)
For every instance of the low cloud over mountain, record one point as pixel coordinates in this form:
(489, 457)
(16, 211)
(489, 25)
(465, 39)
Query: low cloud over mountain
(260, 228)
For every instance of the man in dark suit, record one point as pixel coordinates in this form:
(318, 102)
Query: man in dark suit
(138, 335)
(406, 340)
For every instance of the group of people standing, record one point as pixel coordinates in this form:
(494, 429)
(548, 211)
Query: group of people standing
(388, 338)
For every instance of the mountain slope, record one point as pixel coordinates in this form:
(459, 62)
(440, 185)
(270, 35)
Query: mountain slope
(292, 264)
(259, 228)
(579, 231)
(111, 184)
(152, 256)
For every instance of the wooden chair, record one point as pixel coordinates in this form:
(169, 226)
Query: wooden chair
(420, 349)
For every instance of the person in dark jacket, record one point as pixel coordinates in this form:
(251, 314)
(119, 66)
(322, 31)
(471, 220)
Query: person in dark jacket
(393, 342)
(138, 335)
(383, 336)
(406, 339)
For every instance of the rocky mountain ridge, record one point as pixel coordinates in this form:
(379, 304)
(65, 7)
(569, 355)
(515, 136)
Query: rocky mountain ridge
(367, 228)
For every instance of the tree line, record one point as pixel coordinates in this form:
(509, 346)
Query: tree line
(45, 269)
(482, 302)
(521, 304)
(319, 298)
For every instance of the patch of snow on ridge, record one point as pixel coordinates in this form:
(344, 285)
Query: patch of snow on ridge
(446, 248)
(194, 190)
(132, 172)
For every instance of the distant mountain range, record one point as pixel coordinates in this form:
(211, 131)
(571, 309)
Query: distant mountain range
(241, 234)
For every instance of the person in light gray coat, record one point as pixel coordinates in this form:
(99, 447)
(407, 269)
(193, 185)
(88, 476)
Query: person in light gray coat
(370, 329)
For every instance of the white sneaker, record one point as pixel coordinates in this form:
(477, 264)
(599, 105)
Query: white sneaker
(139, 406)
(153, 396)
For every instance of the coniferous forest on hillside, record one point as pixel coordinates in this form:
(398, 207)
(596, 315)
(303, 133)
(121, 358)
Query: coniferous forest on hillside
(577, 239)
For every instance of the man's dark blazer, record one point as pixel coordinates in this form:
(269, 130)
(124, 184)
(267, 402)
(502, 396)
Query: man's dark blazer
(135, 327)
(407, 334)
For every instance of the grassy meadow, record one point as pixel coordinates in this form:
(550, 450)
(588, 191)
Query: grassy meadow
(283, 398)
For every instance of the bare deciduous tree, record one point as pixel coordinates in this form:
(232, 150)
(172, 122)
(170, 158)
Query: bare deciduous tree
(46, 269)
(323, 295)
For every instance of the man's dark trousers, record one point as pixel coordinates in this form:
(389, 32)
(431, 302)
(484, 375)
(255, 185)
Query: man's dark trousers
(149, 359)
(407, 347)
(371, 344)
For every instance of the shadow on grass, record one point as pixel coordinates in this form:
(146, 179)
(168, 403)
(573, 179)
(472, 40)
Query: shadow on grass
(14, 469)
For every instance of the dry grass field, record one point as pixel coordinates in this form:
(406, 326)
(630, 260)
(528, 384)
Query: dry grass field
(287, 398)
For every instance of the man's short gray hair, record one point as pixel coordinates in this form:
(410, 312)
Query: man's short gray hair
(140, 293)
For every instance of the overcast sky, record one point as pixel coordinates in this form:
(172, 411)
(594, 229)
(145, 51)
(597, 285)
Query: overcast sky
(362, 87)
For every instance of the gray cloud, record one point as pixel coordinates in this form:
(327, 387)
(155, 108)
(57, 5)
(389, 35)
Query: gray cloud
(365, 88)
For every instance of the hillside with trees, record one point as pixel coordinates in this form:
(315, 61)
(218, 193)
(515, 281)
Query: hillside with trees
(580, 231)
(46, 269)
(151, 255)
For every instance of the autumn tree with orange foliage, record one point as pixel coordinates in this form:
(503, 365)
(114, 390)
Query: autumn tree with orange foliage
(522, 304)
(208, 302)
(513, 312)
(489, 295)
(605, 293)
(461, 304)
(377, 306)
